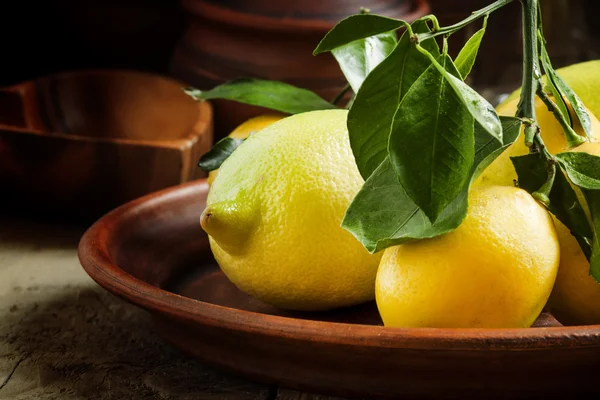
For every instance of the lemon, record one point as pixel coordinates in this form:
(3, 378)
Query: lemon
(274, 214)
(244, 130)
(583, 78)
(501, 171)
(496, 270)
(575, 298)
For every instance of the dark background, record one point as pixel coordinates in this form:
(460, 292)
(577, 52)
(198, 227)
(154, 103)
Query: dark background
(39, 38)
(42, 37)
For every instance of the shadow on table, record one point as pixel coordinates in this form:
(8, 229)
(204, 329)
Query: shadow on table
(86, 343)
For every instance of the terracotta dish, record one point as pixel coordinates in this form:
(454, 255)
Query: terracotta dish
(82, 143)
(153, 253)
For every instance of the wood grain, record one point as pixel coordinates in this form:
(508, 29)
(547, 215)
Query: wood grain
(86, 142)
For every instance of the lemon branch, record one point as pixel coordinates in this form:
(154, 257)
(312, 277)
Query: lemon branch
(531, 71)
(531, 87)
(448, 30)
(338, 97)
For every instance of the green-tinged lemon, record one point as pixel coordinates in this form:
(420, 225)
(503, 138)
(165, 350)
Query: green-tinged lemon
(274, 212)
(245, 129)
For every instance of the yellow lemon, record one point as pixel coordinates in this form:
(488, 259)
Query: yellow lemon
(496, 270)
(501, 171)
(575, 298)
(274, 212)
(583, 78)
(245, 129)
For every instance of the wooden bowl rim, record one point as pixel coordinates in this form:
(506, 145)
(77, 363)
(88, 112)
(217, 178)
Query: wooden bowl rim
(96, 261)
(205, 112)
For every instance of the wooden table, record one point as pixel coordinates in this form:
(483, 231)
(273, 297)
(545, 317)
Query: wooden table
(64, 337)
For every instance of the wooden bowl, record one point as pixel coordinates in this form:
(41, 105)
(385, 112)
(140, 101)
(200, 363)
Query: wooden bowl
(268, 39)
(82, 143)
(153, 253)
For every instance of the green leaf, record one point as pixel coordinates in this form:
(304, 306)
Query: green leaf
(592, 198)
(466, 58)
(274, 95)
(486, 143)
(355, 27)
(558, 99)
(431, 145)
(357, 59)
(213, 159)
(578, 107)
(565, 91)
(372, 112)
(383, 215)
(483, 112)
(532, 171)
(583, 169)
(487, 148)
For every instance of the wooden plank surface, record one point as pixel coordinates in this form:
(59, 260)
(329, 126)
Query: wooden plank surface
(64, 337)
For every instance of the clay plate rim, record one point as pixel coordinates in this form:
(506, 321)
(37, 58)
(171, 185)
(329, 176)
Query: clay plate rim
(95, 258)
